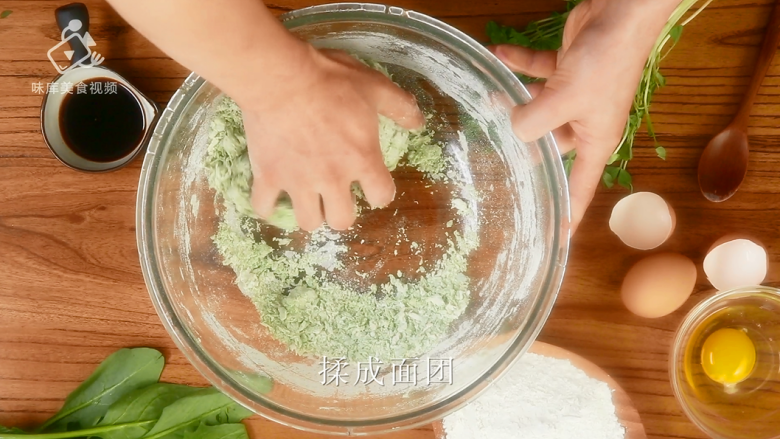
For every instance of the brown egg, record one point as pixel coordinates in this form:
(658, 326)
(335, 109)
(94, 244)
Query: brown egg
(659, 284)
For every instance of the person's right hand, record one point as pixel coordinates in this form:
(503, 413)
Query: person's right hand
(316, 133)
(591, 83)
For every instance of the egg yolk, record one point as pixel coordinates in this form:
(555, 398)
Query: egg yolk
(728, 356)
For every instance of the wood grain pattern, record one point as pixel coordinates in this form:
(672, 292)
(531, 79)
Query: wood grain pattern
(71, 290)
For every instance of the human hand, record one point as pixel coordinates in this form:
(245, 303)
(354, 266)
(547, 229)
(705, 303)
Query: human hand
(310, 116)
(317, 133)
(590, 84)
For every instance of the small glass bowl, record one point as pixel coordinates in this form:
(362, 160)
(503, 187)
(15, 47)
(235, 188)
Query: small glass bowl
(749, 409)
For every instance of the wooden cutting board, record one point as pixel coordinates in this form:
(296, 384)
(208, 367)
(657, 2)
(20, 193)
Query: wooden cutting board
(624, 408)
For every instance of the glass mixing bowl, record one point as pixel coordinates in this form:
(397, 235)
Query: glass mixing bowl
(520, 195)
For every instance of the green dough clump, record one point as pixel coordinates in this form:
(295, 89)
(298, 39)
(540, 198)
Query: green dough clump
(299, 301)
(230, 173)
(427, 158)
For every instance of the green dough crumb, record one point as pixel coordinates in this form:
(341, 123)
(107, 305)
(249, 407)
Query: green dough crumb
(283, 241)
(296, 295)
(427, 157)
(313, 315)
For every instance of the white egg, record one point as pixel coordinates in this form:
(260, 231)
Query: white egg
(642, 220)
(735, 263)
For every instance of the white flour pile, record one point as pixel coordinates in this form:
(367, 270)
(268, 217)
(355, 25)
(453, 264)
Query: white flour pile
(539, 398)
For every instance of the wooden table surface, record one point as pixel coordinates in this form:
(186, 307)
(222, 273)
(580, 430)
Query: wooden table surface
(71, 290)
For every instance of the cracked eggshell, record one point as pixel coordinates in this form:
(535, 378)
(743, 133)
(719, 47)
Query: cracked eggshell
(658, 284)
(643, 220)
(735, 261)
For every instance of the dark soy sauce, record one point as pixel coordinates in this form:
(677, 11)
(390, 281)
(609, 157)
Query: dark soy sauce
(102, 127)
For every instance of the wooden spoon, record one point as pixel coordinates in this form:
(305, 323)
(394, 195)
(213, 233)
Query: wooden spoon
(624, 408)
(724, 162)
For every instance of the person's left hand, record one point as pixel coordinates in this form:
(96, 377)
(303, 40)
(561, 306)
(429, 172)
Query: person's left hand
(590, 84)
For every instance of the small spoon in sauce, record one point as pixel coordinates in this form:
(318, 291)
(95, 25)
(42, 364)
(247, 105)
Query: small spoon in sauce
(724, 162)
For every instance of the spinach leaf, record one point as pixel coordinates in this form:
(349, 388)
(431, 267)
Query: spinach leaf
(123, 400)
(145, 404)
(122, 372)
(207, 406)
(224, 431)
(95, 432)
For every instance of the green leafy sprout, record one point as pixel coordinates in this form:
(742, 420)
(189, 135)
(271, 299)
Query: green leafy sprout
(5, 13)
(547, 34)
